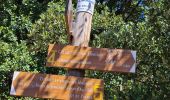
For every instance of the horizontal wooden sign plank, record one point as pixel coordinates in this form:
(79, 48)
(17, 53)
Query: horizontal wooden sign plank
(56, 86)
(116, 60)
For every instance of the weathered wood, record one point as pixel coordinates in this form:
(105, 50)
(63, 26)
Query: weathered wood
(69, 16)
(81, 36)
(56, 86)
(103, 59)
(69, 19)
(82, 29)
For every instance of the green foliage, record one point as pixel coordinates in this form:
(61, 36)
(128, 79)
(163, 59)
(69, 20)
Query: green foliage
(13, 57)
(151, 41)
(28, 26)
(50, 28)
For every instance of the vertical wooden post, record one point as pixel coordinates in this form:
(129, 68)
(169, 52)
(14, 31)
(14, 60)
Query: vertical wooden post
(81, 30)
(69, 19)
(69, 16)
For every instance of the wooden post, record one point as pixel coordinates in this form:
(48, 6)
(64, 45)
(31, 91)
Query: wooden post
(82, 28)
(69, 19)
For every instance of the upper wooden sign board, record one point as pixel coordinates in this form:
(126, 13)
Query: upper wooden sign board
(114, 60)
(56, 86)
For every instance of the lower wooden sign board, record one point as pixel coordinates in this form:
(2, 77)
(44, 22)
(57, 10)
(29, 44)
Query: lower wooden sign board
(104, 59)
(56, 86)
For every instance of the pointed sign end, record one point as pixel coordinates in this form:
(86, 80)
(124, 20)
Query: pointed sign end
(12, 91)
(133, 69)
(16, 73)
(134, 55)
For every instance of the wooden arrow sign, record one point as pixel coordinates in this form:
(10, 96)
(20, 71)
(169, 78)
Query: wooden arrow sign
(56, 86)
(115, 60)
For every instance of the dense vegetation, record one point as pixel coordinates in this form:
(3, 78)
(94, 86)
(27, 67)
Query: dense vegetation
(28, 26)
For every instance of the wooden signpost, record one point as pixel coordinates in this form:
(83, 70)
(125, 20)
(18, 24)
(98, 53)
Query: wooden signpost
(56, 86)
(76, 58)
(103, 59)
(80, 33)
